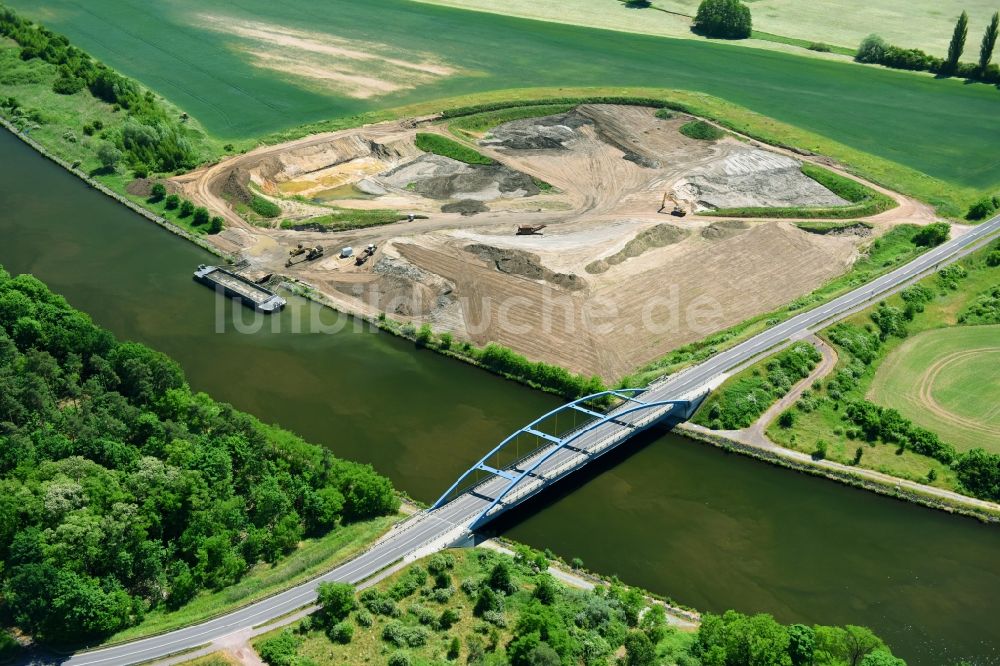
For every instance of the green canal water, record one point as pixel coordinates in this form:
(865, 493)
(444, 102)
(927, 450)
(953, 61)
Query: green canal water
(711, 530)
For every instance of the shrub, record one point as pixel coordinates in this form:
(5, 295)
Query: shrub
(401, 635)
(172, 201)
(449, 616)
(983, 208)
(727, 19)
(187, 208)
(399, 659)
(157, 192)
(820, 47)
(342, 633)
(932, 235)
(872, 49)
(263, 207)
(200, 216)
(215, 225)
(699, 129)
(279, 650)
(786, 419)
(664, 114)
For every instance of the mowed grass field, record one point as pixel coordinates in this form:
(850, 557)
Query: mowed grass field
(924, 24)
(947, 380)
(257, 67)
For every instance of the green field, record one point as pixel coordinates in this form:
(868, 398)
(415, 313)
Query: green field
(967, 389)
(947, 380)
(260, 67)
(924, 24)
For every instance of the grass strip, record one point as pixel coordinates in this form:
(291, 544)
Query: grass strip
(442, 145)
(479, 123)
(865, 201)
(342, 219)
(823, 228)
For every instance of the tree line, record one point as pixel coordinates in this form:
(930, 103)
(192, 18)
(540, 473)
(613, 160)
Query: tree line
(874, 49)
(122, 491)
(150, 139)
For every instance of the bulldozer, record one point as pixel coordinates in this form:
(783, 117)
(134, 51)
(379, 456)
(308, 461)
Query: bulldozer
(529, 229)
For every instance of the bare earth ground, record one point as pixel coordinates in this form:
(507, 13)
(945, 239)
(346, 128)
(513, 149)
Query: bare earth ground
(613, 282)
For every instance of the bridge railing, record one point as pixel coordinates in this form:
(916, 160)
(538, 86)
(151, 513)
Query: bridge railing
(525, 467)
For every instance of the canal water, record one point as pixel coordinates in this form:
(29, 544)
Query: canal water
(709, 529)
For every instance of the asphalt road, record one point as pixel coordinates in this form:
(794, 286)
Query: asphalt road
(438, 528)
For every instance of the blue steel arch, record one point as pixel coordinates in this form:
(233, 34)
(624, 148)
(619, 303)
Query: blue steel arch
(560, 443)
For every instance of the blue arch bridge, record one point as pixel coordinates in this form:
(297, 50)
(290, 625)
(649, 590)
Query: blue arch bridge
(554, 446)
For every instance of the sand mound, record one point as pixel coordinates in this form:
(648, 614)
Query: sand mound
(659, 236)
(724, 229)
(439, 177)
(465, 207)
(750, 177)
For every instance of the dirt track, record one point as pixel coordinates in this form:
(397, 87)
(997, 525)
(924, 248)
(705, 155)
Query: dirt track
(610, 167)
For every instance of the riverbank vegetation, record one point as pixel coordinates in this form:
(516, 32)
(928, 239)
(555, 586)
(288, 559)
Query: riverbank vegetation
(842, 419)
(149, 138)
(864, 201)
(744, 397)
(499, 360)
(481, 607)
(122, 492)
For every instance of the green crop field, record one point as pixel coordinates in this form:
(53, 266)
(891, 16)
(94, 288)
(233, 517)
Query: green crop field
(946, 380)
(924, 24)
(257, 67)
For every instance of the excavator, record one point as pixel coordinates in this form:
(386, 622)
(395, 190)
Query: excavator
(677, 211)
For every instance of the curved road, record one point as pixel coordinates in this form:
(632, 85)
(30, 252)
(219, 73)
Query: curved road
(434, 529)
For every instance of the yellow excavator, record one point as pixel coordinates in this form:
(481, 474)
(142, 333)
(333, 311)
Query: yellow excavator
(677, 210)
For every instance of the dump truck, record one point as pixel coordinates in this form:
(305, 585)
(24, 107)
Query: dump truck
(529, 229)
(363, 257)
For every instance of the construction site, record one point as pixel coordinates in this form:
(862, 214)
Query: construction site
(585, 239)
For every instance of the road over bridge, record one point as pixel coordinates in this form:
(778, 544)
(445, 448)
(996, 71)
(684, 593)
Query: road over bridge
(553, 456)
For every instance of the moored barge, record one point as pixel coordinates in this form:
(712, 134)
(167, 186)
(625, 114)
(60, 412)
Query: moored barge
(233, 285)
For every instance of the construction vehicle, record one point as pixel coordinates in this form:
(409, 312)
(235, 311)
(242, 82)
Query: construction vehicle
(677, 210)
(529, 229)
(363, 257)
(309, 252)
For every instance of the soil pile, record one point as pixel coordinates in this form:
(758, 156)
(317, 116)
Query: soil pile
(465, 207)
(659, 236)
(439, 177)
(751, 178)
(523, 264)
(724, 229)
(236, 186)
(547, 133)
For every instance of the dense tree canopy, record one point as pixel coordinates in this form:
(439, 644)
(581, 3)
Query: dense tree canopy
(729, 19)
(121, 490)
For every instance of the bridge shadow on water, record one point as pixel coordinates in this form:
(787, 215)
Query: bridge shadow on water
(574, 481)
